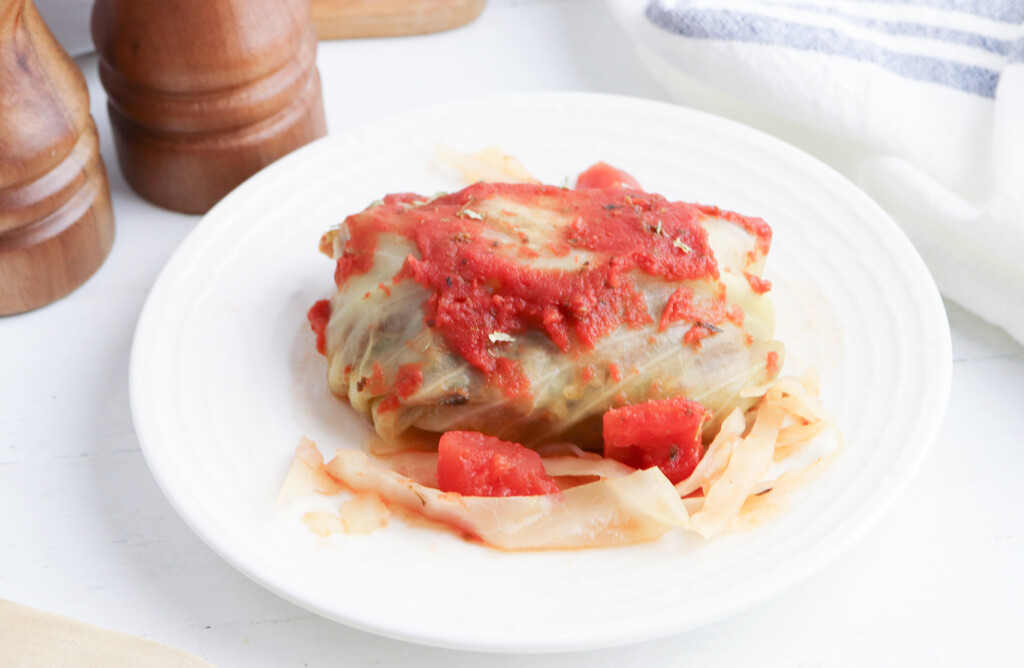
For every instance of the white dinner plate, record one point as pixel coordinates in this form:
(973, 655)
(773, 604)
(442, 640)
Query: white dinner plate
(225, 378)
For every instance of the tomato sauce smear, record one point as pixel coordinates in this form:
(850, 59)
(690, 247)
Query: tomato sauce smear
(482, 295)
(319, 315)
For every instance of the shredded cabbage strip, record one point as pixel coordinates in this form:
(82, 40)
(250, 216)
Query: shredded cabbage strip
(622, 506)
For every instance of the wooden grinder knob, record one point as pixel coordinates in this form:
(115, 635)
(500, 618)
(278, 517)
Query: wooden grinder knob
(204, 93)
(56, 226)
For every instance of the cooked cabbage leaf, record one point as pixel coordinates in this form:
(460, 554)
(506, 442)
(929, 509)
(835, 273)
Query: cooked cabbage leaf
(707, 336)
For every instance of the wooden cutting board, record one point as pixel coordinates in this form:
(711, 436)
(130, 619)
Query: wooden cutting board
(344, 19)
(31, 638)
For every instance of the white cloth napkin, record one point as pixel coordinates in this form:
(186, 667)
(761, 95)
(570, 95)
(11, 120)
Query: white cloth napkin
(920, 102)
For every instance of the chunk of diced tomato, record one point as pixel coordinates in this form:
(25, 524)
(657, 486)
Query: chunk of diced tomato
(665, 433)
(602, 175)
(474, 464)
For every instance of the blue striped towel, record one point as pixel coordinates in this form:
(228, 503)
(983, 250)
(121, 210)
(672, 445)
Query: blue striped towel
(920, 102)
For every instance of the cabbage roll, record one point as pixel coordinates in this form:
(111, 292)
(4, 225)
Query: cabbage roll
(526, 311)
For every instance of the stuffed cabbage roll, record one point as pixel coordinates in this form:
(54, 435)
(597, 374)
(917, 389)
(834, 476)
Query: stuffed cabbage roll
(526, 311)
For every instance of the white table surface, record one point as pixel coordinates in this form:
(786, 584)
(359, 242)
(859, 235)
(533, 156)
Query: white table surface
(85, 532)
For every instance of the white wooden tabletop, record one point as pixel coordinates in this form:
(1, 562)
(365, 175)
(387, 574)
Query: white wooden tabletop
(85, 532)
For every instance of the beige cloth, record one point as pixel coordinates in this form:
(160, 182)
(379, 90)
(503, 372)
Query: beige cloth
(31, 638)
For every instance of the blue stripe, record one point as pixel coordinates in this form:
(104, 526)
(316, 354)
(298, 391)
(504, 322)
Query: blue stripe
(939, 33)
(739, 27)
(1016, 54)
(1004, 11)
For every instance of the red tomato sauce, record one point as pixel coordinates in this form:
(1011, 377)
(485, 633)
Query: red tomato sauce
(319, 315)
(683, 306)
(376, 383)
(756, 226)
(698, 333)
(758, 284)
(410, 377)
(358, 255)
(509, 376)
(478, 289)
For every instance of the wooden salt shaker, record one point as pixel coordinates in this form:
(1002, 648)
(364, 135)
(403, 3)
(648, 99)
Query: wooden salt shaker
(204, 93)
(56, 225)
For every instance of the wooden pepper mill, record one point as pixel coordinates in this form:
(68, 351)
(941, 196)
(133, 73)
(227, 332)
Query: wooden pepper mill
(56, 225)
(204, 93)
